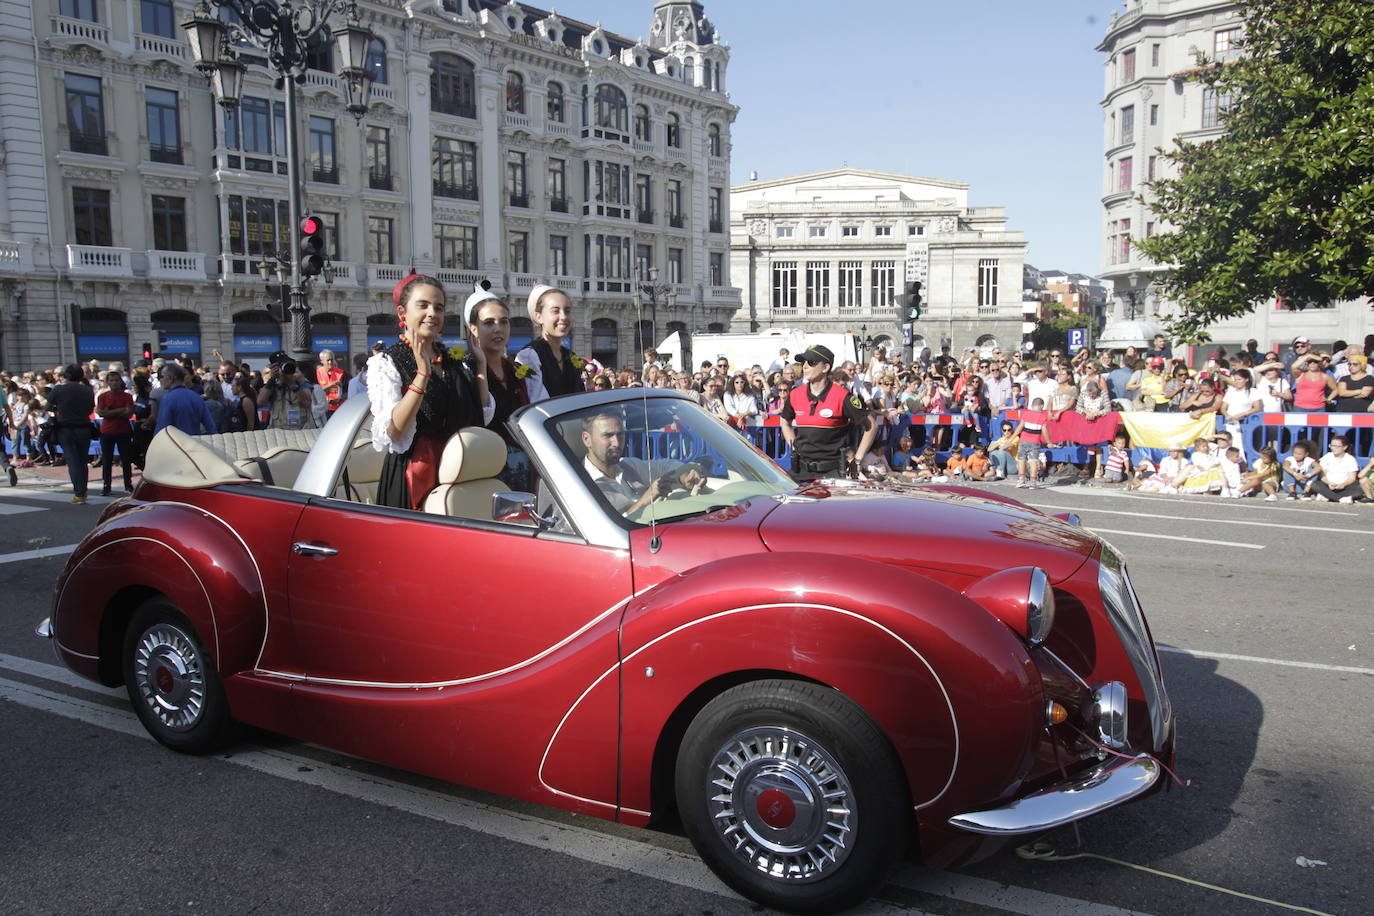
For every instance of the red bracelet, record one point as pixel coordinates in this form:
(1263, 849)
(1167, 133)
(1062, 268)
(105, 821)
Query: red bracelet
(422, 375)
(419, 391)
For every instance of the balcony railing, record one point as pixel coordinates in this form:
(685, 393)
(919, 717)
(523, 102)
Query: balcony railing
(385, 275)
(95, 144)
(156, 44)
(380, 181)
(99, 260)
(724, 292)
(81, 28)
(518, 200)
(715, 225)
(328, 174)
(16, 257)
(646, 217)
(176, 265)
(676, 220)
(558, 204)
(459, 279)
(458, 191)
(339, 273)
(169, 154)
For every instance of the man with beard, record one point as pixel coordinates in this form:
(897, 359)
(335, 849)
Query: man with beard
(629, 484)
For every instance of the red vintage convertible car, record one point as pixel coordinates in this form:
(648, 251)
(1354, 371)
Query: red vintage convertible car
(813, 678)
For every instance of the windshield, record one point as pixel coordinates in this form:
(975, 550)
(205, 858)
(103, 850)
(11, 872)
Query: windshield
(663, 458)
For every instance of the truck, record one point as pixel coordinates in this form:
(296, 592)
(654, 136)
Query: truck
(745, 350)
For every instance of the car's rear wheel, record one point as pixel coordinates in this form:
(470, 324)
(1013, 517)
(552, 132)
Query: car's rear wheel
(792, 795)
(172, 682)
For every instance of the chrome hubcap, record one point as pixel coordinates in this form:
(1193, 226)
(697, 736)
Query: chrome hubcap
(169, 676)
(782, 804)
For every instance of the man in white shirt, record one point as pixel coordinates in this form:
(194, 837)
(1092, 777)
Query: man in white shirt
(629, 484)
(997, 387)
(782, 362)
(1339, 470)
(1041, 386)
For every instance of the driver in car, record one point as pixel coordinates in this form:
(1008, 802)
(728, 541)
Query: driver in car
(629, 484)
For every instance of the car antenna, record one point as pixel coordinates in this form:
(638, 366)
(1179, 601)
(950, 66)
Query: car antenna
(655, 542)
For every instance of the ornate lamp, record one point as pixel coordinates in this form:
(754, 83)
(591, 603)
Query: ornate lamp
(206, 35)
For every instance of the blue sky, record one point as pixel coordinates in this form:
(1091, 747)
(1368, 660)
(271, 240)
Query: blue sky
(998, 93)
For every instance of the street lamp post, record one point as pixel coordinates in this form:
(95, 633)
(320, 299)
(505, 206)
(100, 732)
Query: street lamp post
(287, 30)
(653, 289)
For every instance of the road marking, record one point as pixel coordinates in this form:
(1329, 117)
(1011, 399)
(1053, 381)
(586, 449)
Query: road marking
(19, 510)
(1174, 537)
(1210, 521)
(634, 856)
(37, 554)
(1342, 669)
(1183, 500)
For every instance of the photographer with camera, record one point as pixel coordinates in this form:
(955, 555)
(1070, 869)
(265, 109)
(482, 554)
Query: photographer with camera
(285, 396)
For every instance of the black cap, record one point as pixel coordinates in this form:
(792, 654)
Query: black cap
(817, 354)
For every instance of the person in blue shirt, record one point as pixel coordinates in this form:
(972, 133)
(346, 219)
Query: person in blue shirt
(180, 406)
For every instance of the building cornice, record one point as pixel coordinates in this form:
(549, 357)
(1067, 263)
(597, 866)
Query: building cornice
(857, 172)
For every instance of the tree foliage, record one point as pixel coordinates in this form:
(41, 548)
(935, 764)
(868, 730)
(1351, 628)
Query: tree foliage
(1052, 330)
(1282, 204)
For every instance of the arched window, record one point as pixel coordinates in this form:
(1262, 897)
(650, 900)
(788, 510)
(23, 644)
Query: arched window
(453, 86)
(376, 60)
(644, 335)
(715, 327)
(612, 111)
(644, 129)
(515, 93)
(556, 111)
(713, 136)
(319, 53)
(605, 341)
(674, 130)
(689, 70)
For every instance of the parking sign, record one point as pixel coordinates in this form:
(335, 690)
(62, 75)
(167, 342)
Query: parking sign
(1078, 339)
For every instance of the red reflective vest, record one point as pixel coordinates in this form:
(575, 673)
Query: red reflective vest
(828, 411)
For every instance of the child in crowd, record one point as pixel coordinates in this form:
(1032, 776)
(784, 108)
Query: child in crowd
(874, 465)
(979, 466)
(1232, 470)
(924, 467)
(954, 467)
(1303, 468)
(1264, 477)
(1206, 476)
(900, 459)
(1173, 471)
(1030, 433)
(1144, 469)
(1113, 466)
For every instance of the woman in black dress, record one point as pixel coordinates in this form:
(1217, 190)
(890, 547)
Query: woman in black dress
(421, 395)
(556, 369)
(488, 323)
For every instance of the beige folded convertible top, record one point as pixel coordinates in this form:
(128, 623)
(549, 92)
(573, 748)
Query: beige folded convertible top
(177, 459)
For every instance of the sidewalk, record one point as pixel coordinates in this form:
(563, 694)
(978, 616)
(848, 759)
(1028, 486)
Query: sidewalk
(54, 478)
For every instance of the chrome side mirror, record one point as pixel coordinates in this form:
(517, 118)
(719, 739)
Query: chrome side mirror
(517, 508)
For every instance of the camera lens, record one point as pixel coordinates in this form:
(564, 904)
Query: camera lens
(289, 367)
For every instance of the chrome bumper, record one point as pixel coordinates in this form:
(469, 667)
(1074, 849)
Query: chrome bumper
(44, 628)
(1096, 790)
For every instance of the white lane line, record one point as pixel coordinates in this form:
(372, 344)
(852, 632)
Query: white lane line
(19, 510)
(1174, 537)
(1342, 669)
(1210, 521)
(629, 855)
(37, 554)
(1185, 500)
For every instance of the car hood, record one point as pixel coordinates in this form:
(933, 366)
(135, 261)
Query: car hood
(954, 535)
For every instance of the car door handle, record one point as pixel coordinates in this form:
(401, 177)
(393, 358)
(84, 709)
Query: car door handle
(313, 550)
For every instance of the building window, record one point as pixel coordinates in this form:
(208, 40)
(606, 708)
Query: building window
(713, 139)
(324, 166)
(157, 18)
(91, 216)
(987, 283)
(675, 270)
(86, 114)
(915, 230)
(784, 284)
(515, 93)
(554, 106)
(1128, 124)
(689, 71)
(330, 221)
(644, 261)
(1225, 43)
(674, 130)
(256, 117)
(1154, 115)
(164, 125)
(612, 111)
(1215, 105)
(605, 341)
(517, 189)
(79, 9)
(717, 268)
(379, 236)
(453, 86)
(169, 223)
(783, 232)
(455, 246)
(375, 61)
(518, 245)
(882, 283)
(558, 185)
(610, 257)
(1124, 179)
(674, 203)
(1149, 228)
(715, 203)
(882, 232)
(379, 158)
(816, 232)
(849, 232)
(644, 198)
(644, 128)
(851, 284)
(1128, 65)
(1150, 168)
(320, 56)
(455, 168)
(1154, 55)
(558, 255)
(818, 284)
(608, 182)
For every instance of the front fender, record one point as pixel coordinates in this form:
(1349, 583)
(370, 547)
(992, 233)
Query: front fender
(192, 557)
(952, 688)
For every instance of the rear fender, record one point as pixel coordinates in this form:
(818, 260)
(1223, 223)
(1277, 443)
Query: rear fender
(188, 555)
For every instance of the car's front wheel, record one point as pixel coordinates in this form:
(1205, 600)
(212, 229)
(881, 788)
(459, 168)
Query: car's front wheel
(792, 795)
(172, 681)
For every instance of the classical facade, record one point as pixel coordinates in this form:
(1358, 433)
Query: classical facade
(1149, 102)
(831, 251)
(502, 142)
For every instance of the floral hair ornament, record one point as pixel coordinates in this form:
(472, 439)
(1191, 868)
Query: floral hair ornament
(535, 295)
(481, 293)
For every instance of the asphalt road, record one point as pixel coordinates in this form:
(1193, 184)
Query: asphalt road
(1263, 613)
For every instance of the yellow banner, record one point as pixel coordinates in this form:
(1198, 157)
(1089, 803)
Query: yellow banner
(1167, 430)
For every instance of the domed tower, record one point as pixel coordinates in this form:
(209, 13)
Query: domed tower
(680, 21)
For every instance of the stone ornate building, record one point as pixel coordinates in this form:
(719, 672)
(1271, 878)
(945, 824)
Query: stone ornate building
(502, 142)
(831, 251)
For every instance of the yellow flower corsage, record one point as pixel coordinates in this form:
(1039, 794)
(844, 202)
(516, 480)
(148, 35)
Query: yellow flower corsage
(523, 371)
(577, 361)
(458, 352)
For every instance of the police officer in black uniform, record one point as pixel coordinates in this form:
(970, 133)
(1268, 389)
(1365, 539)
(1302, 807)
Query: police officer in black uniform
(817, 417)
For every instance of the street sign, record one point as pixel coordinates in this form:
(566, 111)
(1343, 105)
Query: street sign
(1078, 339)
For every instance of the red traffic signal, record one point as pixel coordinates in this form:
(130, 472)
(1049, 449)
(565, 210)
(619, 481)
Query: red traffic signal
(312, 246)
(311, 226)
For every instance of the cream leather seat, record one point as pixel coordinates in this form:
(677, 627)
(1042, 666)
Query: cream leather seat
(277, 466)
(364, 471)
(467, 475)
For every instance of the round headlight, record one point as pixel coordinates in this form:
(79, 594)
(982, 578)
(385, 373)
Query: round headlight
(1020, 597)
(1039, 608)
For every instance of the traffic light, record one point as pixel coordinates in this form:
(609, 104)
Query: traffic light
(147, 350)
(312, 246)
(913, 300)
